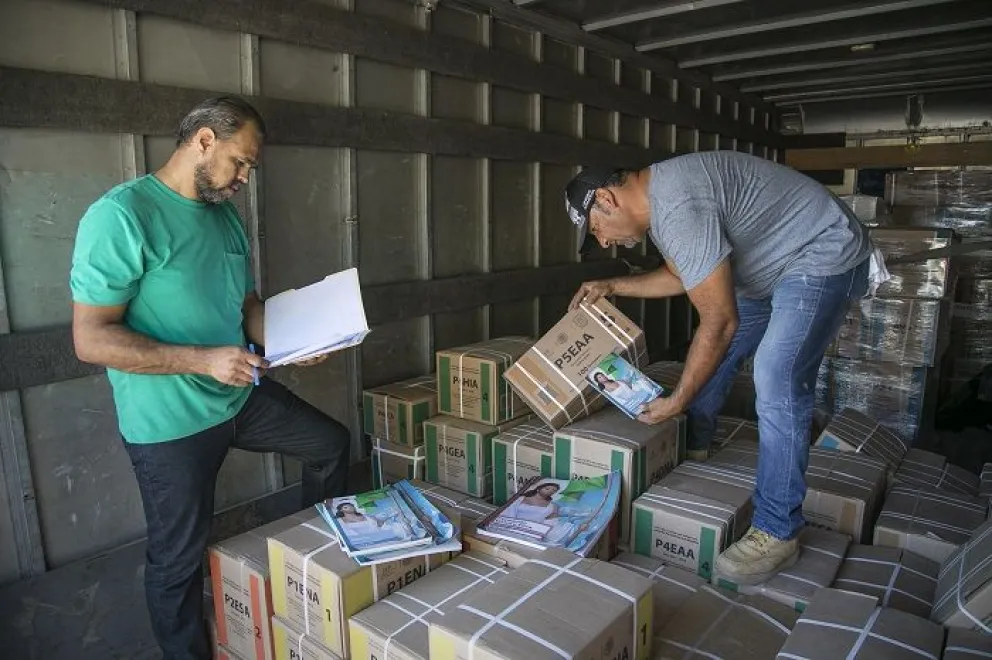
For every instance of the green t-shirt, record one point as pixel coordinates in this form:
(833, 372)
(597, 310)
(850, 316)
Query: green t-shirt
(182, 268)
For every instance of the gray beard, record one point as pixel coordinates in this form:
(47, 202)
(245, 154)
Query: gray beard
(205, 189)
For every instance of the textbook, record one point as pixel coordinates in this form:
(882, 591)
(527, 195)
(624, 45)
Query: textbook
(388, 523)
(623, 385)
(571, 514)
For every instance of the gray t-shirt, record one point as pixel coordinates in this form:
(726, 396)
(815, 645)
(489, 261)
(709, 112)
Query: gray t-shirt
(770, 219)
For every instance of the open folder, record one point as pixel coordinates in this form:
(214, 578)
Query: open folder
(324, 317)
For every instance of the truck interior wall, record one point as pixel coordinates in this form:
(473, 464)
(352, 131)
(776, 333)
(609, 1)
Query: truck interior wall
(354, 200)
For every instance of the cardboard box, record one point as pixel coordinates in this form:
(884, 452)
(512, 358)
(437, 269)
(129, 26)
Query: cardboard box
(964, 585)
(293, 644)
(460, 453)
(731, 429)
(908, 331)
(551, 377)
(968, 220)
(240, 586)
(396, 412)
(558, 606)
(609, 440)
(672, 586)
(852, 431)
(967, 645)
(939, 188)
(715, 623)
(740, 457)
(924, 469)
(928, 523)
(519, 454)
(398, 625)
(316, 586)
(692, 516)
(985, 485)
(740, 400)
(901, 398)
(392, 462)
(843, 492)
(899, 579)
(471, 384)
(841, 624)
(934, 278)
(820, 555)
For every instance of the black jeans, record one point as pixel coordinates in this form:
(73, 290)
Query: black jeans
(177, 480)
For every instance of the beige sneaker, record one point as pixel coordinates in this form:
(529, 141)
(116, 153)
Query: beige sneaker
(698, 455)
(755, 558)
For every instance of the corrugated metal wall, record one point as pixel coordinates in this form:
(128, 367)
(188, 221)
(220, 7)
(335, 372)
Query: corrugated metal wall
(310, 210)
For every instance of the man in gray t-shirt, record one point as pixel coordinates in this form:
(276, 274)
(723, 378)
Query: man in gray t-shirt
(770, 260)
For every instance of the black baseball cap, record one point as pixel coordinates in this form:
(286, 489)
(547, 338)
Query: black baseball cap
(580, 195)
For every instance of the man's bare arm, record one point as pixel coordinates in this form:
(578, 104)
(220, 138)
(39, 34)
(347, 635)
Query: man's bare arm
(100, 337)
(253, 312)
(659, 283)
(714, 299)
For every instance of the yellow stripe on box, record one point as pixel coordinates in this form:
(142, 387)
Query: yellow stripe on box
(441, 644)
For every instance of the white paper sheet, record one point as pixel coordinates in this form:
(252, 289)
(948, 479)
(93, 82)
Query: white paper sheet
(320, 318)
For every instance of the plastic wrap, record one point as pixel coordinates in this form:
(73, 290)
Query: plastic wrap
(968, 220)
(910, 332)
(901, 398)
(866, 207)
(933, 278)
(971, 332)
(938, 187)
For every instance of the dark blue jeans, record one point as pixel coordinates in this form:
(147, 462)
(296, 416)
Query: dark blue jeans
(177, 480)
(788, 334)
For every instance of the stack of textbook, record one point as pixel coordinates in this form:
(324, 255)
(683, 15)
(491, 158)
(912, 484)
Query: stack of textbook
(390, 523)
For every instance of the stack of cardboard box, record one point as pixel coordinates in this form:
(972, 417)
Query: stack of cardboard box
(393, 419)
(475, 403)
(957, 200)
(886, 358)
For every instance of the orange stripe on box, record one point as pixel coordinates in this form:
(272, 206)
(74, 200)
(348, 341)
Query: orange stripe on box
(217, 586)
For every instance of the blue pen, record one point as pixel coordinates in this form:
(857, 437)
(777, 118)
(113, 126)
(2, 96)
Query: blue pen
(254, 369)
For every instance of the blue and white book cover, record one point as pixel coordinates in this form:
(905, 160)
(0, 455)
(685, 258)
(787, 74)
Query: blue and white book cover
(624, 385)
(557, 513)
(374, 521)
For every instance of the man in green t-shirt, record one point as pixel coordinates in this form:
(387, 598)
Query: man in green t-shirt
(164, 299)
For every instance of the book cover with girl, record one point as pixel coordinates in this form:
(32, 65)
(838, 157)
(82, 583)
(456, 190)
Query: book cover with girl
(623, 385)
(557, 513)
(375, 521)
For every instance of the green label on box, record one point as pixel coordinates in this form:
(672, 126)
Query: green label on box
(472, 476)
(444, 384)
(485, 376)
(707, 552)
(368, 412)
(376, 469)
(643, 525)
(421, 413)
(500, 489)
(402, 410)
